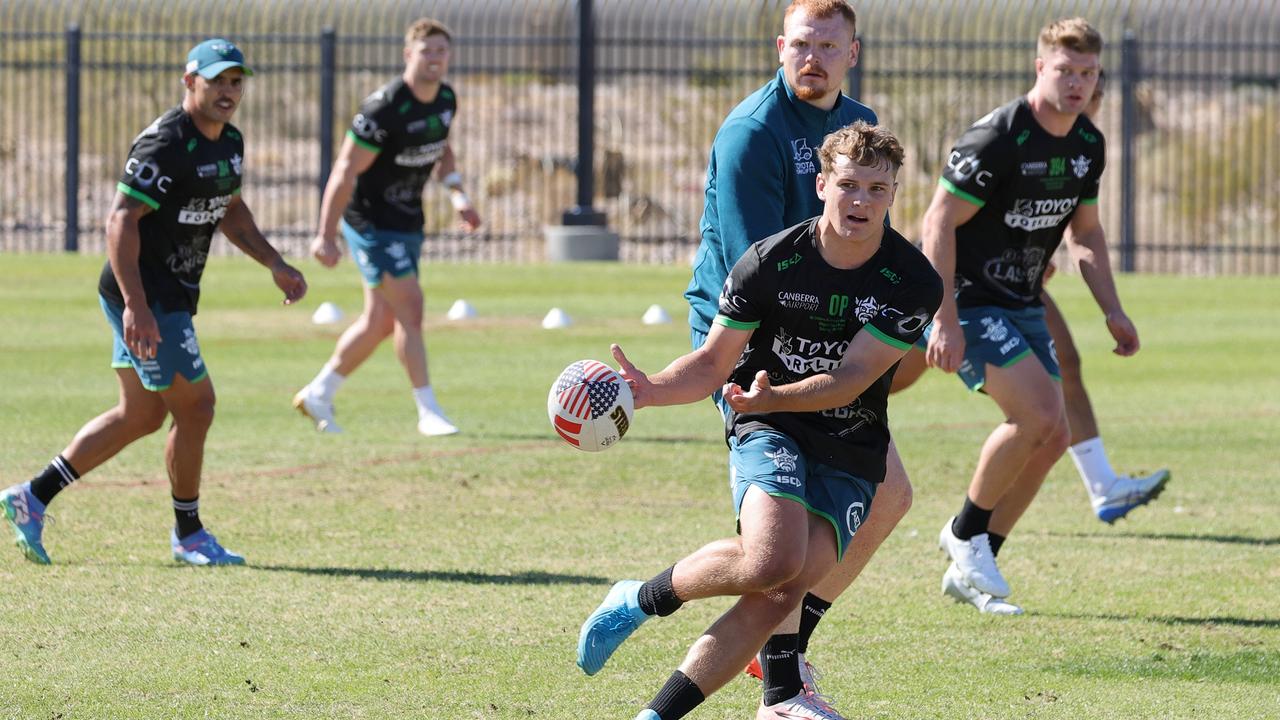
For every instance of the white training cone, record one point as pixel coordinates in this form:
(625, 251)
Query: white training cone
(326, 314)
(461, 310)
(655, 315)
(556, 318)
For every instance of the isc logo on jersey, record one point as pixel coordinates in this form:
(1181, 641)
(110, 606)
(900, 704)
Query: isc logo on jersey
(367, 128)
(147, 174)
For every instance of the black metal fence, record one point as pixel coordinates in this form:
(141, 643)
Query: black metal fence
(1192, 117)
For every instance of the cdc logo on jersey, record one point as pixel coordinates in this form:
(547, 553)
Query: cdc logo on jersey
(590, 406)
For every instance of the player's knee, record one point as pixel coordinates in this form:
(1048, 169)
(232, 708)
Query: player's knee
(196, 412)
(1059, 438)
(767, 571)
(149, 420)
(1039, 425)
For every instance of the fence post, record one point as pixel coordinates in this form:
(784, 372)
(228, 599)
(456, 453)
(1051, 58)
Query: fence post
(856, 73)
(582, 213)
(71, 182)
(328, 71)
(1130, 73)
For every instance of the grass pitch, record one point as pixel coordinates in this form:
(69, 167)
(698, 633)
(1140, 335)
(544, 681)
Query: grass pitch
(397, 576)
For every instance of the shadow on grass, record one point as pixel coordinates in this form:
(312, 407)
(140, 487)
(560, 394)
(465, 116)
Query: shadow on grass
(1192, 537)
(1173, 619)
(630, 440)
(531, 577)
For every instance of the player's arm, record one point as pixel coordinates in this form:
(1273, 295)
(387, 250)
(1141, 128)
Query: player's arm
(1087, 243)
(353, 159)
(946, 212)
(141, 334)
(449, 176)
(241, 229)
(688, 378)
(750, 187)
(866, 359)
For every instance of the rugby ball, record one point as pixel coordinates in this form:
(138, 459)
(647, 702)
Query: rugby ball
(590, 406)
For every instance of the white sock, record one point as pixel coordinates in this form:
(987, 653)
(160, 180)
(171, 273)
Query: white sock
(1094, 467)
(326, 384)
(425, 397)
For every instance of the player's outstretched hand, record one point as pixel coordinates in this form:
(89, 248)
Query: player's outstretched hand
(946, 346)
(470, 219)
(326, 251)
(289, 280)
(756, 400)
(636, 380)
(1125, 334)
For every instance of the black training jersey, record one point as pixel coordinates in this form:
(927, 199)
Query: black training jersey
(188, 180)
(1027, 184)
(804, 313)
(409, 137)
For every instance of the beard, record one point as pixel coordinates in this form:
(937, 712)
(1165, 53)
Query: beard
(806, 93)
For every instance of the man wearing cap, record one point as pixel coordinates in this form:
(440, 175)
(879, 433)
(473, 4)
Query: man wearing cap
(397, 141)
(180, 183)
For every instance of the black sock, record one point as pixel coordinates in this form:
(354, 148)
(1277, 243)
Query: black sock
(781, 668)
(657, 597)
(996, 542)
(677, 698)
(58, 475)
(187, 513)
(811, 613)
(971, 521)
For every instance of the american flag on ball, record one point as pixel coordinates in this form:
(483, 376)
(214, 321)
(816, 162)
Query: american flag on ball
(585, 390)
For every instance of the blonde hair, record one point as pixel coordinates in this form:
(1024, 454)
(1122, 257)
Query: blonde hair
(866, 145)
(823, 9)
(1074, 34)
(423, 28)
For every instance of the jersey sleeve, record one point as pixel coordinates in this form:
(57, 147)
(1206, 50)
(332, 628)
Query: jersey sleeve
(977, 164)
(750, 187)
(744, 297)
(371, 127)
(154, 171)
(912, 309)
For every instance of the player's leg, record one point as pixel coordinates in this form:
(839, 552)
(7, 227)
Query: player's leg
(892, 501)
(139, 412)
(191, 404)
(356, 344)
(1112, 496)
(404, 296)
(1033, 430)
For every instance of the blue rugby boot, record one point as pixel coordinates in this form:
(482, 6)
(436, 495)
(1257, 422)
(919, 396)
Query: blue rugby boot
(25, 514)
(1127, 493)
(202, 548)
(614, 621)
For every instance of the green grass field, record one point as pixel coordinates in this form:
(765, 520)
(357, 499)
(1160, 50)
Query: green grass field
(396, 576)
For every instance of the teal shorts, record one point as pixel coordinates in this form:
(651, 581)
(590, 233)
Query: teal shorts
(1001, 337)
(177, 354)
(378, 252)
(774, 463)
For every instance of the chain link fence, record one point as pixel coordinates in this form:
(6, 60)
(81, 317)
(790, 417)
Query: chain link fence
(1192, 115)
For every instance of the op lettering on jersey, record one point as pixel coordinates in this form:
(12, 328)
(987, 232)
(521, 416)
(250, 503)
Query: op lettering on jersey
(804, 313)
(1027, 185)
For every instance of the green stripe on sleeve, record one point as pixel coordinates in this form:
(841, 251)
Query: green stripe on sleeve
(1089, 201)
(736, 325)
(137, 195)
(955, 190)
(878, 334)
(363, 143)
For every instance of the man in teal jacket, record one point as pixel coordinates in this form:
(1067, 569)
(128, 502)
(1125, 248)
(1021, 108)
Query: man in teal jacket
(761, 179)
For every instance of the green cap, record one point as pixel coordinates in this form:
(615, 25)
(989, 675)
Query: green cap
(211, 57)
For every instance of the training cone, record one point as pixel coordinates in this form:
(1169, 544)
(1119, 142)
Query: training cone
(556, 318)
(326, 314)
(461, 310)
(655, 315)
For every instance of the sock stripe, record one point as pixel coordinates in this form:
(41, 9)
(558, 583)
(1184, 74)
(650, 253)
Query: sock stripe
(64, 469)
(186, 505)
